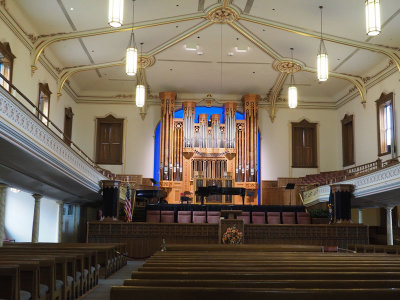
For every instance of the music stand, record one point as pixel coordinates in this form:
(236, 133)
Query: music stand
(290, 186)
(154, 182)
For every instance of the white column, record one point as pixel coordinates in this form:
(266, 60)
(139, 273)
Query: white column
(360, 216)
(60, 220)
(36, 218)
(3, 195)
(389, 226)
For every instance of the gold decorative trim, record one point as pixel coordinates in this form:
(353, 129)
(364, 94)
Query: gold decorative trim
(286, 66)
(223, 15)
(146, 61)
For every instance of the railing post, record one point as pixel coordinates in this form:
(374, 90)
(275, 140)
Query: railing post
(379, 163)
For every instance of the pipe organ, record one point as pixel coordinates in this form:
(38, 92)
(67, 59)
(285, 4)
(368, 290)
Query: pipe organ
(216, 150)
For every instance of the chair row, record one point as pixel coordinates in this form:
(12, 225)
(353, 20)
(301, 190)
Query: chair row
(212, 217)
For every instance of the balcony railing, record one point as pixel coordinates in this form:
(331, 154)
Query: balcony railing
(36, 113)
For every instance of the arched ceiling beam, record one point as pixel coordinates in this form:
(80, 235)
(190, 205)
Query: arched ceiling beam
(68, 72)
(391, 53)
(357, 81)
(276, 89)
(46, 40)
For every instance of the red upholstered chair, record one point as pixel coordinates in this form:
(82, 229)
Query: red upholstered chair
(303, 218)
(213, 217)
(288, 218)
(167, 216)
(274, 217)
(184, 216)
(153, 216)
(258, 217)
(245, 216)
(199, 217)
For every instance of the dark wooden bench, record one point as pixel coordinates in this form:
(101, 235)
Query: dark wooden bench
(217, 293)
(9, 281)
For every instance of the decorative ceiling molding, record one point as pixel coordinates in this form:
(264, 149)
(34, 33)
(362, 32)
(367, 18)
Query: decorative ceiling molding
(286, 66)
(144, 62)
(43, 41)
(223, 15)
(280, 61)
(226, 12)
(276, 90)
(392, 53)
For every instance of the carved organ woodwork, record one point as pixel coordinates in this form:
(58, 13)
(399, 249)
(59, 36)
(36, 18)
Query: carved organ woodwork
(213, 150)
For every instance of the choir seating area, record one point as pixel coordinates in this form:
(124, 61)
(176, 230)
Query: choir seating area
(52, 271)
(262, 272)
(260, 214)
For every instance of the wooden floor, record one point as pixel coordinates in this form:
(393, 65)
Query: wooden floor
(102, 291)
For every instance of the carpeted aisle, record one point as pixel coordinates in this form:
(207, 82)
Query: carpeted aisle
(102, 291)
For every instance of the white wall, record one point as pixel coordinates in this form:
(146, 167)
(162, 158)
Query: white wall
(365, 121)
(276, 154)
(138, 135)
(19, 217)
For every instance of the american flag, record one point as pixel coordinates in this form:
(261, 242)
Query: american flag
(128, 205)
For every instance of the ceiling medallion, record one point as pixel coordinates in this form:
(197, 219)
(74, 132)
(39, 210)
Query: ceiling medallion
(222, 15)
(146, 61)
(287, 67)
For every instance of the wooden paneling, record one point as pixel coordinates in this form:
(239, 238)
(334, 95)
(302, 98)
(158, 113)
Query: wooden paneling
(109, 140)
(143, 239)
(348, 140)
(304, 145)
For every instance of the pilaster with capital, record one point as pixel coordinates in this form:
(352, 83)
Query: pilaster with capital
(36, 218)
(3, 195)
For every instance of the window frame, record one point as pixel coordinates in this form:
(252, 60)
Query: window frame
(304, 124)
(381, 103)
(5, 51)
(347, 119)
(45, 90)
(110, 119)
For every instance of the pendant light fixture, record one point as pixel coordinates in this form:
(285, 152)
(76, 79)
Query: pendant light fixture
(115, 12)
(322, 58)
(292, 91)
(373, 17)
(140, 88)
(131, 50)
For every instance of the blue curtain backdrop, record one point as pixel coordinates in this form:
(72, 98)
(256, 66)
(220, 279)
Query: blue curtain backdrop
(199, 110)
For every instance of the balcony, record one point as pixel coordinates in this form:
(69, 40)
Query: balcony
(34, 156)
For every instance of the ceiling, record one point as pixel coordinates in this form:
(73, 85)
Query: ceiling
(195, 75)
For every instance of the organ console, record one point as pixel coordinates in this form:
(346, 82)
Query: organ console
(215, 150)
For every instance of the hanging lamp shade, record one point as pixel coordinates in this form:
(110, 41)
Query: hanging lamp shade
(131, 61)
(115, 13)
(292, 96)
(140, 95)
(373, 17)
(322, 63)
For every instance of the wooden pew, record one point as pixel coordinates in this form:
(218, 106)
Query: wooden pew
(194, 293)
(342, 284)
(266, 275)
(9, 281)
(47, 267)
